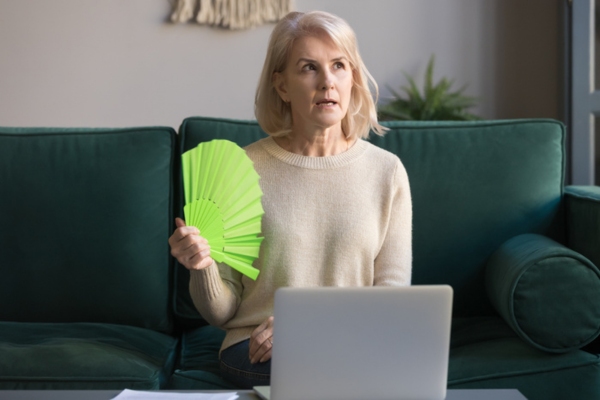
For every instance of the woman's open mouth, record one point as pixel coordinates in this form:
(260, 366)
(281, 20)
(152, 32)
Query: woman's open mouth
(326, 103)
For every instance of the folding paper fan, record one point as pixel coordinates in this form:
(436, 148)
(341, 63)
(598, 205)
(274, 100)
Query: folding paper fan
(223, 200)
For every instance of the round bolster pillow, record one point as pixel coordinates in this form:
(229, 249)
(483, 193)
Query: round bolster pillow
(549, 294)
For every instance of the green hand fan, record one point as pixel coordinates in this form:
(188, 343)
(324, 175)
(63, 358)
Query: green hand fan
(222, 200)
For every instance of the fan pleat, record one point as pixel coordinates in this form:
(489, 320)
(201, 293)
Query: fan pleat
(244, 229)
(223, 200)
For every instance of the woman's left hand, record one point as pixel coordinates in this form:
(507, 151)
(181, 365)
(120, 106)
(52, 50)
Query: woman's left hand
(261, 342)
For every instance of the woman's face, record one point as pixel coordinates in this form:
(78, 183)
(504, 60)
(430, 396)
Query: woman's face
(317, 83)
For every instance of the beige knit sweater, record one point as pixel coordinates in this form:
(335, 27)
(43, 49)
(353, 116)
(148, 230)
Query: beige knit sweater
(343, 220)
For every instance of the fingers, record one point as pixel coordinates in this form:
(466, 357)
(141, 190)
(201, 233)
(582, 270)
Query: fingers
(267, 356)
(262, 351)
(182, 231)
(188, 247)
(261, 342)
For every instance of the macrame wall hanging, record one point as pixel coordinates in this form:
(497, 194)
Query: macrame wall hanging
(230, 14)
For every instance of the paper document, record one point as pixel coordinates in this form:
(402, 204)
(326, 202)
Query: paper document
(140, 395)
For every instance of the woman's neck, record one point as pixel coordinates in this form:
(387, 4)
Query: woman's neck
(328, 142)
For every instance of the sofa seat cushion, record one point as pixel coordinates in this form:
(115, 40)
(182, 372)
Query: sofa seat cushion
(487, 353)
(198, 380)
(83, 356)
(198, 363)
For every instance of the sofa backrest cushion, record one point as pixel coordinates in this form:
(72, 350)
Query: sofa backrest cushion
(474, 185)
(85, 220)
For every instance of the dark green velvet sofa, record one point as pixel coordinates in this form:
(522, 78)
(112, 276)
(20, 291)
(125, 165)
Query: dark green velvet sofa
(91, 299)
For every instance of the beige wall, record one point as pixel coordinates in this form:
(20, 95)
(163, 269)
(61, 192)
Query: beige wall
(120, 63)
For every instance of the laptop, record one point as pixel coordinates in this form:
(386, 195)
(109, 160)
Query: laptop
(372, 343)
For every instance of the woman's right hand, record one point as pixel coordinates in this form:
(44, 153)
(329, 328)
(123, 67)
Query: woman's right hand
(188, 247)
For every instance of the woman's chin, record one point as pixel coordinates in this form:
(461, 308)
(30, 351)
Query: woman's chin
(329, 119)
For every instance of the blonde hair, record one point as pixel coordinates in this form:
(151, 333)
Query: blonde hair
(274, 115)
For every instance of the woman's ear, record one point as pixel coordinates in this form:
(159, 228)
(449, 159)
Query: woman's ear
(280, 86)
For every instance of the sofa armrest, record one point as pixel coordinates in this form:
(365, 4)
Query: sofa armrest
(582, 205)
(548, 293)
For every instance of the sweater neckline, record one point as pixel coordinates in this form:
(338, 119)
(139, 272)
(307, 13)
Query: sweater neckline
(327, 162)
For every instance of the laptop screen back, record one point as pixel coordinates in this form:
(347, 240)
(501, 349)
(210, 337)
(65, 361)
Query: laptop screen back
(361, 343)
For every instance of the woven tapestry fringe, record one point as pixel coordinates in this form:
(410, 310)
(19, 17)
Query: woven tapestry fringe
(230, 14)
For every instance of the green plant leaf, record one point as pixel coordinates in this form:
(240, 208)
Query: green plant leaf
(436, 102)
(429, 76)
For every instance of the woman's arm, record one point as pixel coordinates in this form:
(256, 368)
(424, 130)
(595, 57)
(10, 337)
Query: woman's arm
(215, 298)
(393, 265)
(216, 292)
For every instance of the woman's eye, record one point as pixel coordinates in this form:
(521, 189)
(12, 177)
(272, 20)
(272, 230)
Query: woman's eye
(309, 67)
(339, 65)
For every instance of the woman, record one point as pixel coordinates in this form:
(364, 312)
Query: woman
(337, 208)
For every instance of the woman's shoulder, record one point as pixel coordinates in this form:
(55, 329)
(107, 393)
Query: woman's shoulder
(257, 144)
(387, 162)
(256, 148)
(380, 155)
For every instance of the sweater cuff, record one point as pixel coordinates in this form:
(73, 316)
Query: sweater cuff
(206, 283)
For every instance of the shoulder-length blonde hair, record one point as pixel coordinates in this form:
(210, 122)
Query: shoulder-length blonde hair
(274, 115)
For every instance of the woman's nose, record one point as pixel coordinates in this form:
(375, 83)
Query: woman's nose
(327, 82)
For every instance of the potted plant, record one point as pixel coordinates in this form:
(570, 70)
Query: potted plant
(437, 102)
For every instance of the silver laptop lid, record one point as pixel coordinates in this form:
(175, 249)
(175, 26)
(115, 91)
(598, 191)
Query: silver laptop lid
(361, 343)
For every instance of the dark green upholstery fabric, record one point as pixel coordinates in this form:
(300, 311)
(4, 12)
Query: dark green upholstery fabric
(485, 353)
(198, 365)
(86, 215)
(583, 216)
(198, 348)
(474, 185)
(83, 356)
(544, 290)
(199, 380)
(195, 130)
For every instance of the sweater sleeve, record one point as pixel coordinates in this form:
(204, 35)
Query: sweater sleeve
(216, 292)
(393, 264)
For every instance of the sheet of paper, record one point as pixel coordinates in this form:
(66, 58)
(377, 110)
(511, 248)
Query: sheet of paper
(142, 395)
